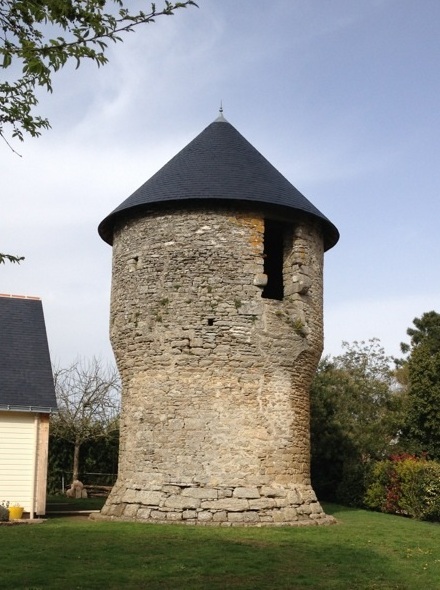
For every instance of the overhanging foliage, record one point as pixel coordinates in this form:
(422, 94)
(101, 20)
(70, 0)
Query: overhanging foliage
(38, 38)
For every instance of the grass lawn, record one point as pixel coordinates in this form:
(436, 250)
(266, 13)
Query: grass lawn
(365, 550)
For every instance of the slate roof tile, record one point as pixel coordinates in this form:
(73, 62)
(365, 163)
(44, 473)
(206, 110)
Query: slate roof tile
(218, 164)
(26, 379)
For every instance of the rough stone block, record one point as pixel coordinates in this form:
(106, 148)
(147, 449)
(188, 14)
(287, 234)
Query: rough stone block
(179, 343)
(225, 493)
(236, 517)
(220, 516)
(145, 497)
(293, 497)
(246, 493)
(249, 308)
(304, 509)
(204, 516)
(205, 362)
(301, 283)
(262, 504)
(289, 514)
(202, 493)
(174, 516)
(167, 489)
(272, 492)
(182, 502)
(129, 495)
(131, 510)
(260, 280)
(284, 515)
(116, 509)
(228, 504)
(143, 513)
(316, 508)
(307, 494)
(251, 517)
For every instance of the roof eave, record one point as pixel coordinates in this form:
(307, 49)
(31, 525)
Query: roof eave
(28, 409)
(106, 227)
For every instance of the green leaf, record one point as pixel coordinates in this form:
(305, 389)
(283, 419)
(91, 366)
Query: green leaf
(76, 29)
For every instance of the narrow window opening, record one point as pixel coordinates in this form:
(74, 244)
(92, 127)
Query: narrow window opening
(273, 259)
(210, 321)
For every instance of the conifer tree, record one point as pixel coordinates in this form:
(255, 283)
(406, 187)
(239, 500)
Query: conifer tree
(421, 432)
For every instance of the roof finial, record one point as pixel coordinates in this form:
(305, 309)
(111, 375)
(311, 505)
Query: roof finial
(220, 118)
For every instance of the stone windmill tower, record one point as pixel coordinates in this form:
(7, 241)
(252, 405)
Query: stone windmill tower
(216, 326)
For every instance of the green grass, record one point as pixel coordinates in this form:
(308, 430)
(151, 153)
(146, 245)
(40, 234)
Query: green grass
(364, 551)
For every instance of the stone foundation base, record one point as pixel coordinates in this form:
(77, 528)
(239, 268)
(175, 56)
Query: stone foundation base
(219, 506)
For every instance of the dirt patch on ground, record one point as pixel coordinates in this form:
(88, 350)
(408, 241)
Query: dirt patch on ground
(23, 521)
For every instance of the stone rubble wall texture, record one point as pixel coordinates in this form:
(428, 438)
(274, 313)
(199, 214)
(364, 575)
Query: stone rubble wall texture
(215, 409)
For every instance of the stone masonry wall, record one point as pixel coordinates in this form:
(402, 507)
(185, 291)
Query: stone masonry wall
(215, 411)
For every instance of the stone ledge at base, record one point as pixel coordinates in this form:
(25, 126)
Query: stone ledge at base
(325, 521)
(259, 506)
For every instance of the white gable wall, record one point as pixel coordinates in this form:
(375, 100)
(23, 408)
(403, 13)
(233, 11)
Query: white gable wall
(18, 439)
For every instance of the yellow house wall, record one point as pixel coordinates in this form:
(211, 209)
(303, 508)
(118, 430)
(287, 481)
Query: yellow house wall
(23, 459)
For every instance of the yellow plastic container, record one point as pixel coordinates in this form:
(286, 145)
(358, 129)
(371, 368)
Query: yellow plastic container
(15, 512)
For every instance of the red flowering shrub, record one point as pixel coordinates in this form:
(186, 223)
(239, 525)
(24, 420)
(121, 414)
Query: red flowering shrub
(406, 485)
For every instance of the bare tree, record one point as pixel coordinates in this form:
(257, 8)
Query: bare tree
(88, 395)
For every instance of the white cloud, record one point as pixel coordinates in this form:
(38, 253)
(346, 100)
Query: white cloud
(293, 83)
(385, 318)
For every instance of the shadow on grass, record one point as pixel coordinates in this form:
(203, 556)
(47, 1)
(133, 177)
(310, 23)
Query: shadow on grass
(259, 565)
(334, 509)
(124, 555)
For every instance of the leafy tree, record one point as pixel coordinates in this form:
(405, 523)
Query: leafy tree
(39, 37)
(356, 413)
(331, 446)
(88, 404)
(421, 432)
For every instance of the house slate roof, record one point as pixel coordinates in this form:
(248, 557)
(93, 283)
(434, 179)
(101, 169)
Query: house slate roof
(26, 381)
(218, 164)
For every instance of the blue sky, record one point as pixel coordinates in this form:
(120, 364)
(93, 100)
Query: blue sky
(342, 97)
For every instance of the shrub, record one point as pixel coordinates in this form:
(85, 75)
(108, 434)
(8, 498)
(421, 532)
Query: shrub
(4, 513)
(352, 488)
(405, 485)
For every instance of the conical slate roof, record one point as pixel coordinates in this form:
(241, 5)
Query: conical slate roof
(218, 164)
